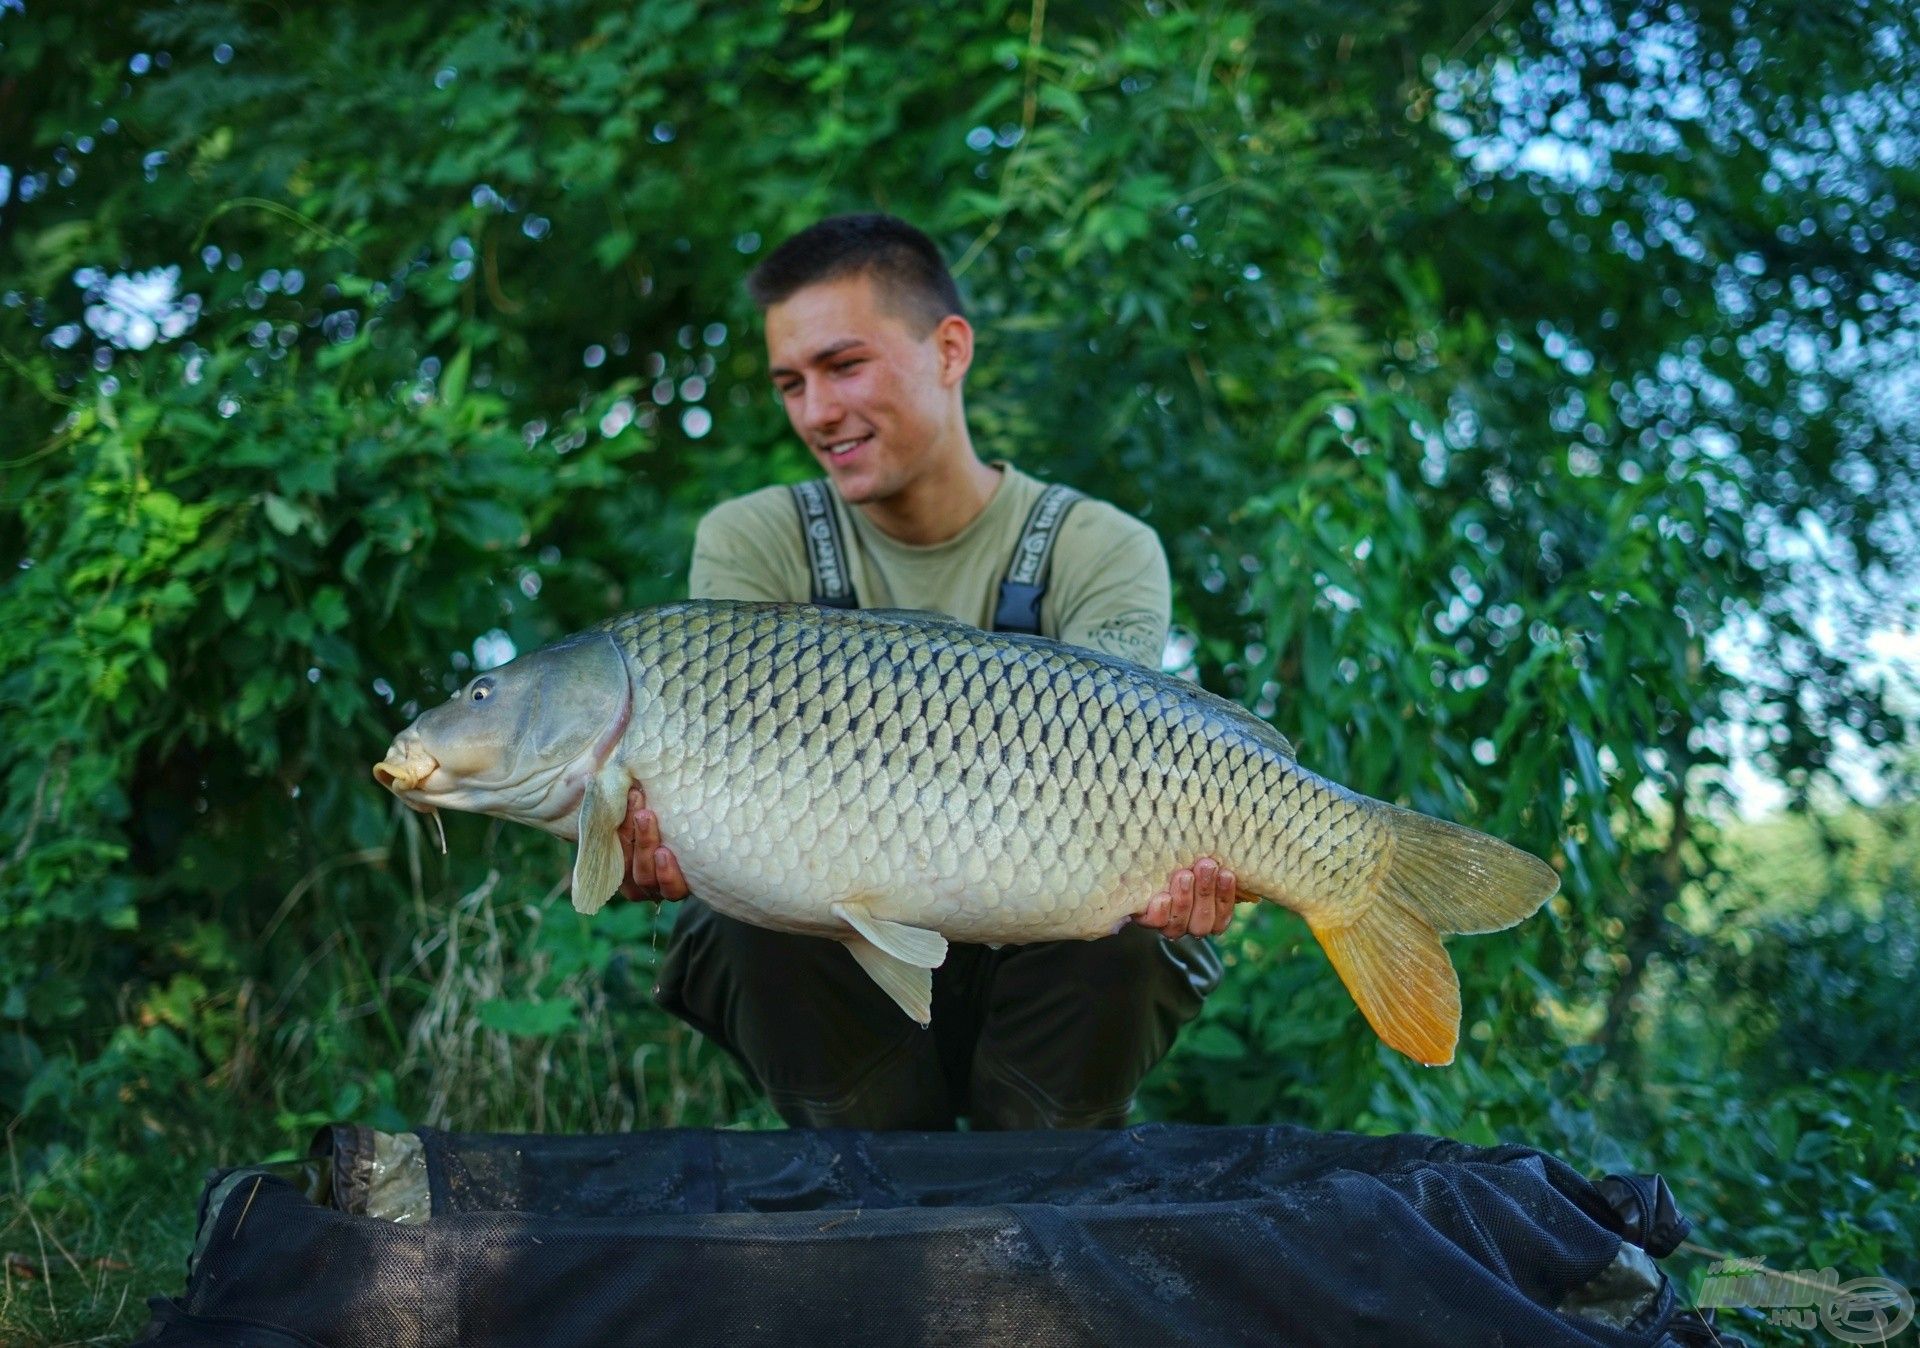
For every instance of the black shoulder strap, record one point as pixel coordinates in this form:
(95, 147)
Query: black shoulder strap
(826, 549)
(1018, 609)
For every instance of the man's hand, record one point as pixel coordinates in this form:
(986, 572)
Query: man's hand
(1198, 901)
(653, 872)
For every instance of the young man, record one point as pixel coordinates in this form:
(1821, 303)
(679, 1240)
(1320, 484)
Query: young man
(868, 348)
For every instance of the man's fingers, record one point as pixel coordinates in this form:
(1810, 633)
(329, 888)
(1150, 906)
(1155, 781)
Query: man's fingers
(1229, 895)
(635, 803)
(646, 843)
(653, 872)
(629, 834)
(1182, 909)
(666, 869)
(1206, 875)
(1155, 914)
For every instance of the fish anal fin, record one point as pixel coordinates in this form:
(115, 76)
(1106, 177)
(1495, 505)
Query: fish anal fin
(1399, 975)
(598, 864)
(911, 945)
(910, 985)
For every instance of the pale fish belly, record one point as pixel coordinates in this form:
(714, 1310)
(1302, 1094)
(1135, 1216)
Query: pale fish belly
(972, 866)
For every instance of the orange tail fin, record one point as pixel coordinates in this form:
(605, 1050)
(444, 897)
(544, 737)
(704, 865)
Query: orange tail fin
(1438, 878)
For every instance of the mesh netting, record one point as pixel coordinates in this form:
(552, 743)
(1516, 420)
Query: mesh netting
(1156, 1234)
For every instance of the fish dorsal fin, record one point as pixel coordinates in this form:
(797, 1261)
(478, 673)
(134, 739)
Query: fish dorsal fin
(921, 617)
(1256, 725)
(1229, 710)
(910, 945)
(1263, 729)
(910, 986)
(599, 865)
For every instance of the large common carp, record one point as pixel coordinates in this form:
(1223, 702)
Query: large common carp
(894, 780)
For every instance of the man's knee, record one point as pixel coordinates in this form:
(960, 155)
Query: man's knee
(825, 1044)
(1129, 960)
(1075, 1026)
(1138, 967)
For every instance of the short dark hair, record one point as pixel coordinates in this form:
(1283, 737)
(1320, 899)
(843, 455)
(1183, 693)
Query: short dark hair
(904, 263)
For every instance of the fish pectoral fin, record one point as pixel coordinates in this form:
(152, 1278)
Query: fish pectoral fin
(910, 985)
(599, 865)
(910, 945)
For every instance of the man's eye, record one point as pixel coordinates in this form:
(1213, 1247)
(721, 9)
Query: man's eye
(843, 366)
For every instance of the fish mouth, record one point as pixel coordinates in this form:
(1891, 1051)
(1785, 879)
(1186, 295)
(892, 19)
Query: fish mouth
(406, 768)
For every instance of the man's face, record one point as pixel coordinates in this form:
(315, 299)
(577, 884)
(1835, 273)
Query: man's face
(874, 401)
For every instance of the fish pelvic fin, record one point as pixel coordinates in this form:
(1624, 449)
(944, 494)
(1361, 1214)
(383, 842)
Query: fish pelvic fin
(598, 864)
(910, 985)
(912, 945)
(1438, 878)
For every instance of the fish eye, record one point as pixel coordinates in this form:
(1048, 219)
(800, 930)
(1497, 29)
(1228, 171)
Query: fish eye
(482, 689)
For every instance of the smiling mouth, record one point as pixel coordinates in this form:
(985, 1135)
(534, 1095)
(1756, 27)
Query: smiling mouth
(839, 449)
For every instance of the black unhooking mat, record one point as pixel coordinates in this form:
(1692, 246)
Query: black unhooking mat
(1155, 1234)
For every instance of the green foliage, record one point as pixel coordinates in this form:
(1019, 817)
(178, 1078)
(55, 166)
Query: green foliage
(1464, 457)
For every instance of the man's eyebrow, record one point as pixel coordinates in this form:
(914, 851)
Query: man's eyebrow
(824, 353)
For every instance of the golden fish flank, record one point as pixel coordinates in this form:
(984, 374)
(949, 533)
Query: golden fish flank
(894, 780)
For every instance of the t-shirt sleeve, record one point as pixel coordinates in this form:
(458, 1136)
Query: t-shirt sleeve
(1109, 589)
(750, 548)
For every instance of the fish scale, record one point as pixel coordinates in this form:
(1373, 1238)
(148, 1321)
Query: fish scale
(895, 780)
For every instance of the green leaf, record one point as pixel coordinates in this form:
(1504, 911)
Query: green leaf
(453, 383)
(1213, 1040)
(329, 609)
(537, 1020)
(1588, 764)
(283, 515)
(488, 525)
(613, 248)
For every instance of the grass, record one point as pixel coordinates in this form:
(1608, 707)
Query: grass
(81, 1264)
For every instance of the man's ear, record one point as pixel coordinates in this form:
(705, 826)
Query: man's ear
(953, 340)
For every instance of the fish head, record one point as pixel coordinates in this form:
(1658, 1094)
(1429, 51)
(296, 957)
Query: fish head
(519, 742)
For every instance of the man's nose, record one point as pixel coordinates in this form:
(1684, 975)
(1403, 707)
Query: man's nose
(819, 408)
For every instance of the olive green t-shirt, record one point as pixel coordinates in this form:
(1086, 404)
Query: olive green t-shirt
(1107, 587)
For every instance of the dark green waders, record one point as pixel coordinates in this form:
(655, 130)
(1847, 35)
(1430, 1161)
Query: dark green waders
(1054, 1035)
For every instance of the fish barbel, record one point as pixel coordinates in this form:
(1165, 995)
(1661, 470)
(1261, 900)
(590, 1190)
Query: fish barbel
(895, 780)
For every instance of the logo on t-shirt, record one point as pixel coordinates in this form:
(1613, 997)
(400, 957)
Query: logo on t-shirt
(1135, 634)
